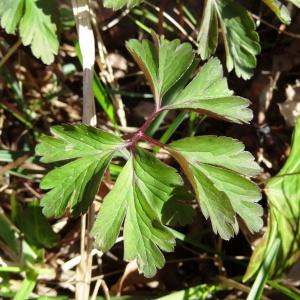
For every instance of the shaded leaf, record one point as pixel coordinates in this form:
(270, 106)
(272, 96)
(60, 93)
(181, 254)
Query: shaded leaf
(238, 30)
(8, 233)
(35, 226)
(178, 211)
(141, 190)
(208, 93)
(118, 4)
(283, 192)
(215, 167)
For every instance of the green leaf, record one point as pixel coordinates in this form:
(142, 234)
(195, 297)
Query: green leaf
(284, 216)
(35, 226)
(144, 53)
(199, 292)
(76, 141)
(11, 12)
(280, 10)
(242, 193)
(27, 286)
(208, 34)
(37, 30)
(8, 233)
(35, 26)
(118, 4)
(141, 191)
(214, 203)
(177, 211)
(295, 2)
(261, 279)
(238, 30)
(216, 167)
(208, 94)
(219, 151)
(75, 184)
(174, 60)
(163, 63)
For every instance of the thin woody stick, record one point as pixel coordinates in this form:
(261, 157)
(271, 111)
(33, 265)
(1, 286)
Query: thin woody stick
(87, 47)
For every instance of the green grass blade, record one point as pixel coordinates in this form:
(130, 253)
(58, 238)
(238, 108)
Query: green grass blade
(27, 286)
(284, 290)
(262, 276)
(173, 127)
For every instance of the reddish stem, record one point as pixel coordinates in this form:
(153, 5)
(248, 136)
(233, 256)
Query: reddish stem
(153, 141)
(141, 133)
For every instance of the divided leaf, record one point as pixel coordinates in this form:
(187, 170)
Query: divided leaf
(168, 66)
(284, 216)
(163, 63)
(36, 28)
(75, 184)
(174, 60)
(118, 4)
(76, 141)
(208, 94)
(238, 31)
(143, 188)
(216, 167)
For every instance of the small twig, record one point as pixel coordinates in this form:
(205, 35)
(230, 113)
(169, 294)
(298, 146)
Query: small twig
(107, 75)
(15, 164)
(115, 21)
(107, 275)
(174, 22)
(236, 285)
(266, 97)
(162, 7)
(32, 191)
(96, 289)
(291, 34)
(10, 52)
(87, 46)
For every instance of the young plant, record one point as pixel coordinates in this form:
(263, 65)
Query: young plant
(144, 197)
